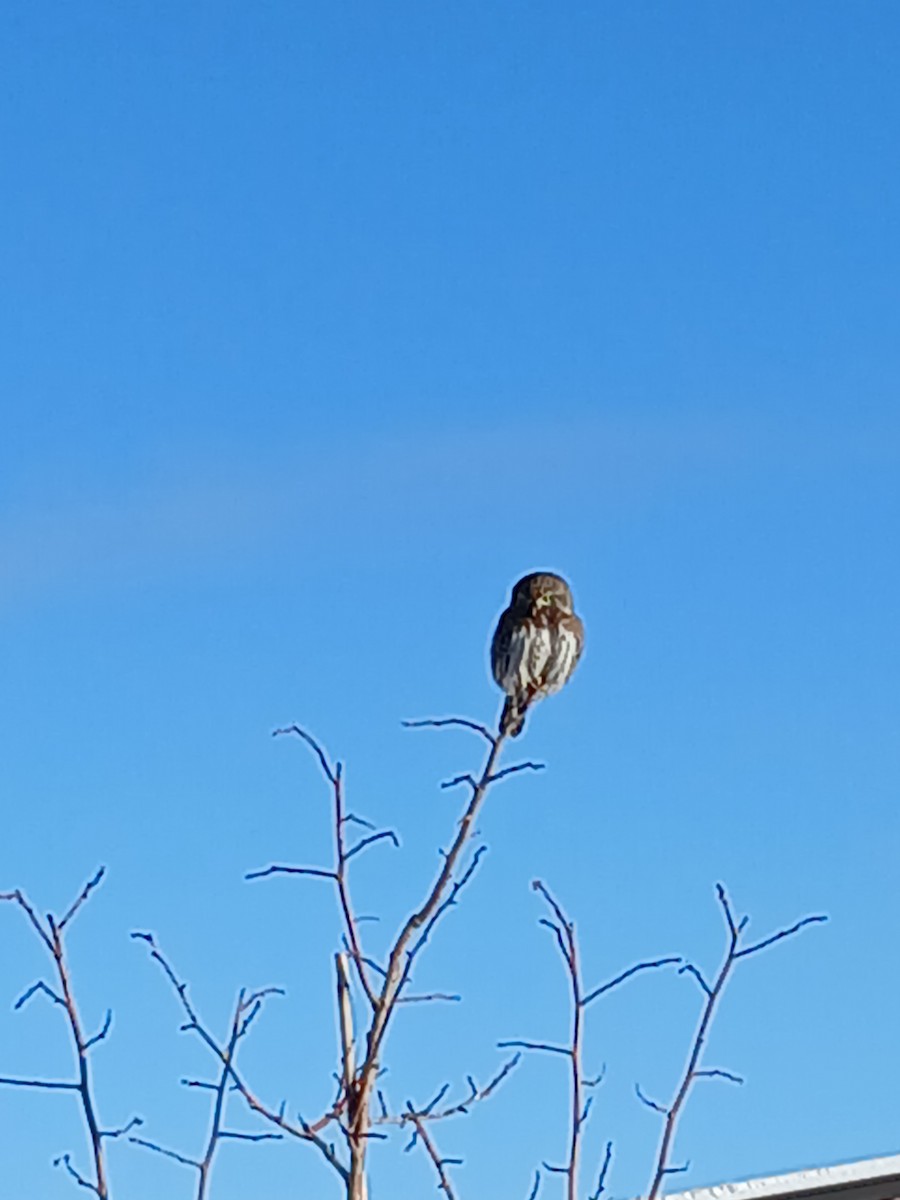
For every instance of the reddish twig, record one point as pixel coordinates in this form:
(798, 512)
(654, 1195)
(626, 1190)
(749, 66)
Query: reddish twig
(712, 994)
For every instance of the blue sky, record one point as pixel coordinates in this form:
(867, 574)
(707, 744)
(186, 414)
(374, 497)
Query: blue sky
(323, 323)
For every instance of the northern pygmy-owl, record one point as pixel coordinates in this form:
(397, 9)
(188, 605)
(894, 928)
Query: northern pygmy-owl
(536, 645)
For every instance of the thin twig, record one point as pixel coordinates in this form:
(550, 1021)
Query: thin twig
(515, 769)
(50, 1084)
(636, 969)
(604, 1171)
(518, 1044)
(278, 869)
(433, 1111)
(447, 722)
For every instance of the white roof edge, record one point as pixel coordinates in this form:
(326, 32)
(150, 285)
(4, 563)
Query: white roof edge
(867, 1170)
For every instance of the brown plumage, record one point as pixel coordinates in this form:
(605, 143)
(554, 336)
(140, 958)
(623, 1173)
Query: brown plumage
(536, 645)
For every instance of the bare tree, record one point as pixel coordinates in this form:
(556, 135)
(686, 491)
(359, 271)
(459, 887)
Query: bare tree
(564, 933)
(580, 1103)
(712, 993)
(360, 1111)
(385, 986)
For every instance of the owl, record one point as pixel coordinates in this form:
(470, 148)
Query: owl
(536, 645)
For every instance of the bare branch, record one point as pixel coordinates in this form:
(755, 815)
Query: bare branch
(51, 933)
(342, 858)
(65, 1161)
(134, 1123)
(345, 1020)
(446, 722)
(458, 779)
(353, 819)
(42, 987)
(686, 1166)
(564, 932)
(277, 869)
(818, 919)
(238, 1136)
(604, 1171)
(543, 890)
(304, 1131)
(372, 964)
(19, 897)
(717, 1073)
(432, 1111)
(516, 769)
(410, 940)
(262, 993)
(548, 1046)
(694, 972)
(650, 1103)
(712, 993)
(448, 902)
(98, 1037)
(432, 1103)
(157, 1149)
(448, 997)
(440, 1164)
(638, 967)
(561, 940)
(368, 841)
(722, 897)
(332, 774)
(81, 898)
(50, 1084)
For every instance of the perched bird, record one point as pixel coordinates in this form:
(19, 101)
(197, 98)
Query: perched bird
(536, 645)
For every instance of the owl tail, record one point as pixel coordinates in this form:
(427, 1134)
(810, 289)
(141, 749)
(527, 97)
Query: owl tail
(512, 720)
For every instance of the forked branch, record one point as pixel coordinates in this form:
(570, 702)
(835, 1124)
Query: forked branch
(248, 1006)
(563, 931)
(342, 854)
(50, 931)
(712, 993)
(385, 986)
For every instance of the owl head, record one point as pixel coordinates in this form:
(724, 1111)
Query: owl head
(542, 589)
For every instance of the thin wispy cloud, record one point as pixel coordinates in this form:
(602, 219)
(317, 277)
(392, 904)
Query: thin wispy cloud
(204, 510)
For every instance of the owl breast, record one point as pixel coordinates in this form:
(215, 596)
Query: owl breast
(563, 652)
